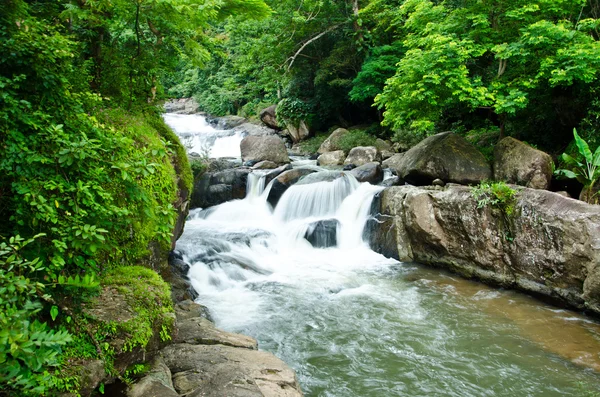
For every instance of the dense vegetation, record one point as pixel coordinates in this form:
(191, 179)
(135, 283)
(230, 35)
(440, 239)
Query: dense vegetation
(483, 68)
(89, 173)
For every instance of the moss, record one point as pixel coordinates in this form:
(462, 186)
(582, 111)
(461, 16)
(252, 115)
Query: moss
(134, 309)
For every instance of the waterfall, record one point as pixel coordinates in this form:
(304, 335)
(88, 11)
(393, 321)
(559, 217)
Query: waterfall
(199, 137)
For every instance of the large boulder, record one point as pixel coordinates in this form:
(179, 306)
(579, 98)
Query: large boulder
(219, 187)
(517, 162)
(444, 156)
(217, 370)
(332, 143)
(362, 155)
(269, 118)
(548, 245)
(284, 181)
(336, 157)
(370, 172)
(261, 148)
(393, 162)
(297, 132)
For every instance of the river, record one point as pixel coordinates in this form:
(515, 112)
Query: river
(354, 323)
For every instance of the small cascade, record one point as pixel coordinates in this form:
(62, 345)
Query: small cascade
(199, 137)
(255, 185)
(317, 200)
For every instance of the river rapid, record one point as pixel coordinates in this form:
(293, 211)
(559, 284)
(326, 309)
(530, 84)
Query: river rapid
(354, 323)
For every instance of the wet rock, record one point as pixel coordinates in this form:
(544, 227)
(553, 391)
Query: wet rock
(438, 182)
(260, 148)
(225, 122)
(252, 129)
(548, 246)
(370, 172)
(269, 118)
(216, 188)
(313, 156)
(321, 176)
(331, 158)
(264, 165)
(332, 143)
(518, 163)
(444, 156)
(349, 167)
(362, 155)
(176, 277)
(284, 181)
(217, 370)
(323, 233)
(276, 172)
(393, 181)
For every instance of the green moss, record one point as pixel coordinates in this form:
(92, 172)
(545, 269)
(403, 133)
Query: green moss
(146, 296)
(312, 145)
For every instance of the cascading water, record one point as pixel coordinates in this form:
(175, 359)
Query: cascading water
(354, 324)
(201, 138)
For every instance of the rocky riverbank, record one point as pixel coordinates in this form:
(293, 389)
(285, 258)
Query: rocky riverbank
(548, 246)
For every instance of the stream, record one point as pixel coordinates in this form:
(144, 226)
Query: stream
(354, 323)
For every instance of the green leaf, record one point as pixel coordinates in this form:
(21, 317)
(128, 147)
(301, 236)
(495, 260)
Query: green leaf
(54, 313)
(583, 147)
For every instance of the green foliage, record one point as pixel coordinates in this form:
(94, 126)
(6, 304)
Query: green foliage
(293, 111)
(585, 167)
(473, 56)
(379, 66)
(28, 347)
(496, 195)
(354, 138)
(312, 145)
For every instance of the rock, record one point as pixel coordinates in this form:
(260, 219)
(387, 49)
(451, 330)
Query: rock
(276, 172)
(254, 130)
(321, 176)
(264, 165)
(349, 167)
(90, 373)
(216, 188)
(393, 162)
(182, 106)
(564, 194)
(438, 182)
(370, 172)
(216, 371)
(362, 155)
(269, 117)
(200, 331)
(226, 122)
(549, 245)
(332, 143)
(336, 157)
(156, 383)
(518, 163)
(393, 181)
(382, 145)
(297, 133)
(323, 233)
(284, 181)
(386, 154)
(189, 309)
(446, 156)
(176, 277)
(313, 156)
(260, 148)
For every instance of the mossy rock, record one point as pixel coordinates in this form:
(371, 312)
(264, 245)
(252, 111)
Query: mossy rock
(126, 324)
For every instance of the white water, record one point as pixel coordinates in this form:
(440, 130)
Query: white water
(355, 324)
(202, 138)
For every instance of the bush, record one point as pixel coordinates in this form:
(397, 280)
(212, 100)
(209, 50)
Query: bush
(356, 138)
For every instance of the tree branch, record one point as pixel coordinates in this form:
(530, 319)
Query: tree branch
(315, 38)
